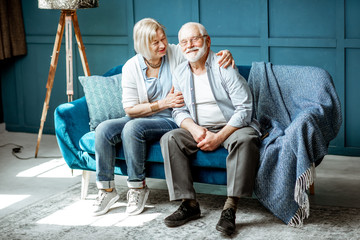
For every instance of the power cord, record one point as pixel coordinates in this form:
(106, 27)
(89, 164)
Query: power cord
(17, 149)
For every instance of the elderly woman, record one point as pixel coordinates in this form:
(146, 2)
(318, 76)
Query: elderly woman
(148, 99)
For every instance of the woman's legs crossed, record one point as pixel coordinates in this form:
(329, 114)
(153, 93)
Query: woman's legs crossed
(135, 137)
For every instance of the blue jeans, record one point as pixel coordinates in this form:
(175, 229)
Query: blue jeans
(133, 134)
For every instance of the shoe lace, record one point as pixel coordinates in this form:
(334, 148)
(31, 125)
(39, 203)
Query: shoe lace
(100, 197)
(182, 210)
(133, 196)
(228, 214)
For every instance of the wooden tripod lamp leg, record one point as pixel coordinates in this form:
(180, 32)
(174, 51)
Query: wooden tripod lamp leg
(80, 44)
(50, 81)
(69, 56)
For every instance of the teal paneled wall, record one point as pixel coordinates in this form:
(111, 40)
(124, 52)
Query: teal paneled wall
(352, 86)
(323, 33)
(302, 19)
(238, 18)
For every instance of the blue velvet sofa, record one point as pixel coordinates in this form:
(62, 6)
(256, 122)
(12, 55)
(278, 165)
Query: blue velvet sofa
(297, 107)
(77, 145)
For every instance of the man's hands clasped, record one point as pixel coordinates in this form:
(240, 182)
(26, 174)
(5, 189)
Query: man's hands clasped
(207, 140)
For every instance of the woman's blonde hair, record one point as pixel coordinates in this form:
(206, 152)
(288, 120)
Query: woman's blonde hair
(144, 32)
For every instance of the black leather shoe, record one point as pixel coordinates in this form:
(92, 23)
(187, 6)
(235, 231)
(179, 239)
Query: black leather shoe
(226, 223)
(184, 214)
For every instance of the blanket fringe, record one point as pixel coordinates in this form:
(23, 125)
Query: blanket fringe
(303, 183)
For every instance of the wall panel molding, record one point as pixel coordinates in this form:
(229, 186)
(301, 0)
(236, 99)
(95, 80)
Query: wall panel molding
(303, 42)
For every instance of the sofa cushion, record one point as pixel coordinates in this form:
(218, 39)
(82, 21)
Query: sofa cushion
(87, 142)
(103, 97)
(214, 159)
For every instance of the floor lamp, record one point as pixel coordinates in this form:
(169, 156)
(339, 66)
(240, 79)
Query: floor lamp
(68, 17)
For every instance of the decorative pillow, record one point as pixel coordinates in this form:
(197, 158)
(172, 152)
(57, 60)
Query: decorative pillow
(103, 98)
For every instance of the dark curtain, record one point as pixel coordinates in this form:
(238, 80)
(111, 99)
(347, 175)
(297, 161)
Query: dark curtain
(1, 105)
(12, 36)
(12, 33)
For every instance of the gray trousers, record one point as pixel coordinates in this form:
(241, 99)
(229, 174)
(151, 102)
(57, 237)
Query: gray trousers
(241, 163)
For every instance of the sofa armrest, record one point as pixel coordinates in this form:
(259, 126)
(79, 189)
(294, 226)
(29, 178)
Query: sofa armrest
(71, 123)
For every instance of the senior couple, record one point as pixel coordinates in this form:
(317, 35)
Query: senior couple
(185, 96)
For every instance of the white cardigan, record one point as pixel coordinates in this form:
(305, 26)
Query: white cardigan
(133, 84)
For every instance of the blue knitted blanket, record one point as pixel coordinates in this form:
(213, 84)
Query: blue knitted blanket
(299, 109)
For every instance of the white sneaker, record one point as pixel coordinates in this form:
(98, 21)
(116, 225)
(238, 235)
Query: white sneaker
(136, 200)
(104, 201)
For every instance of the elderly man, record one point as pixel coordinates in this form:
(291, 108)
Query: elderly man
(217, 112)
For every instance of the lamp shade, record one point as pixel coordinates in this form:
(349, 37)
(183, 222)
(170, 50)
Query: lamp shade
(68, 4)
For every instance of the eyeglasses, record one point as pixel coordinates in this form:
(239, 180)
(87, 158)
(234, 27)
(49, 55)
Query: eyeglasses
(156, 43)
(195, 39)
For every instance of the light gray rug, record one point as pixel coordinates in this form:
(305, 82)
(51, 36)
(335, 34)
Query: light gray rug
(65, 216)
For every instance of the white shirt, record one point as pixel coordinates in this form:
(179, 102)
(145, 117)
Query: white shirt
(208, 112)
(230, 89)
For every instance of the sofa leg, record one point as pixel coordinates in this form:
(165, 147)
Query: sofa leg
(85, 184)
(312, 189)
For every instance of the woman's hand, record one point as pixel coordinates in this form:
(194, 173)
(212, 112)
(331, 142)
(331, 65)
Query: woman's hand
(226, 59)
(173, 99)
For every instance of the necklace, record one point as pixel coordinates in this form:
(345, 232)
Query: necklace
(153, 66)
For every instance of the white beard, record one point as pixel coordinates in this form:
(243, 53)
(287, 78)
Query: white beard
(195, 56)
